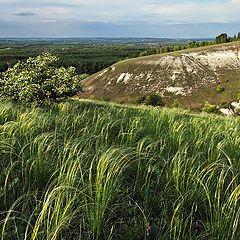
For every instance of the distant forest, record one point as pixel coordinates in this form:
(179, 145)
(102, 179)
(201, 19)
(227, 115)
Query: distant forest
(87, 58)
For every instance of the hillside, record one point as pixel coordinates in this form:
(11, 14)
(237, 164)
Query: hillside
(189, 75)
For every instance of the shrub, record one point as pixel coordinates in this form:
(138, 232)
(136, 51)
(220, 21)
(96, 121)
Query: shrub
(224, 104)
(38, 80)
(220, 89)
(105, 99)
(210, 108)
(154, 100)
(238, 97)
(83, 76)
(175, 103)
(140, 99)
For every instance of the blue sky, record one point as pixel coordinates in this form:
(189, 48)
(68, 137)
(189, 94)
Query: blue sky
(113, 18)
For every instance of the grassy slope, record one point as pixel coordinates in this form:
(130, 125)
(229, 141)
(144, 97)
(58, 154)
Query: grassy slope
(87, 170)
(119, 93)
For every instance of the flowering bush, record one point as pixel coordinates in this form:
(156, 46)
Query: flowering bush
(39, 80)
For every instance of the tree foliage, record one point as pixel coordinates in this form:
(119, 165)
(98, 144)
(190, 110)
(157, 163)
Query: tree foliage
(39, 80)
(173, 48)
(222, 38)
(85, 57)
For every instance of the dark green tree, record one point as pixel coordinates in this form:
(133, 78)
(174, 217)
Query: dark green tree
(238, 37)
(222, 38)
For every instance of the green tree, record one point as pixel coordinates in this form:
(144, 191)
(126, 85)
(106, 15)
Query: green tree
(39, 80)
(238, 37)
(222, 38)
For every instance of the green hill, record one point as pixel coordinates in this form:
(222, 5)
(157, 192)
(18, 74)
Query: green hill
(190, 75)
(86, 170)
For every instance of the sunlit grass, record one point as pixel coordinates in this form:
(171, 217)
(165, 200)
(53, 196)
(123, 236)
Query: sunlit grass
(86, 170)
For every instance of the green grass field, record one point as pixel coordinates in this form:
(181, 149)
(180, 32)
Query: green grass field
(87, 170)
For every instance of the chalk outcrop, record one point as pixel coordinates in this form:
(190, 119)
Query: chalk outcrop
(177, 74)
(233, 109)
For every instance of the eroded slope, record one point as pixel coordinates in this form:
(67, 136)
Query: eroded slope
(180, 74)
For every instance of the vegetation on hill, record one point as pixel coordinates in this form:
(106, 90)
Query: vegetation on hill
(222, 38)
(193, 76)
(39, 80)
(174, 48)
(79, 170)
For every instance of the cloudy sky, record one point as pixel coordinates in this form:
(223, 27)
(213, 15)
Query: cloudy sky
(114, 18)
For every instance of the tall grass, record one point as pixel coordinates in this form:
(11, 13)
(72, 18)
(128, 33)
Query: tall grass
(85, 170)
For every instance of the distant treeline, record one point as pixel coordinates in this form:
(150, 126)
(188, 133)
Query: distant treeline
(222, 38)
(173, 48)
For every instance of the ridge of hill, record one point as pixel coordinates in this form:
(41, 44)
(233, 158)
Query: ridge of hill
(189, 75)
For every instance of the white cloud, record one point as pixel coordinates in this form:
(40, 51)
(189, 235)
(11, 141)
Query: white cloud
(128, 10)
(196, 11)
(49, 21)
(125, 12)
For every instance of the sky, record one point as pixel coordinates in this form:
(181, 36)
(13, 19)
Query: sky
(114, 18)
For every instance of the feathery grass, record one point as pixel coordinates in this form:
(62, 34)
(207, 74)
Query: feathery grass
(86, 170)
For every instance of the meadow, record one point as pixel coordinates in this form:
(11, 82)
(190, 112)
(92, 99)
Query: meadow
(91, 170)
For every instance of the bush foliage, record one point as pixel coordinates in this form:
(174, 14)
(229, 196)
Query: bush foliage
(220, 89)
(210, 108)
(39, 80)
(140, 99)
(238, 97)
(154, 100)
(175, 103)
